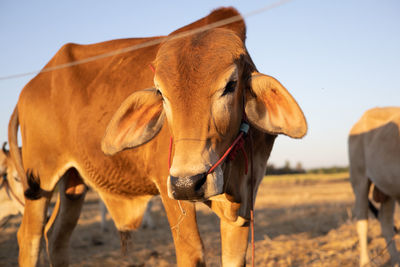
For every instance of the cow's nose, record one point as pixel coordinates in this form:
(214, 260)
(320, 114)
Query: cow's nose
(188, 188)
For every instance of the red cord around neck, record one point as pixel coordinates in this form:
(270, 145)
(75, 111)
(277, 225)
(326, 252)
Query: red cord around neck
(171, 141)
(152, 68)
(232, 150)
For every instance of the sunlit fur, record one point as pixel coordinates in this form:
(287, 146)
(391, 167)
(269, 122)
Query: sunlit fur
(11, 191)
(95, 115)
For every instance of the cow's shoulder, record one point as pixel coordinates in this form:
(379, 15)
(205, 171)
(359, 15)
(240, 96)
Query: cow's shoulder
(375, 118)
(85, 72)
(382, 114)
(99, 51)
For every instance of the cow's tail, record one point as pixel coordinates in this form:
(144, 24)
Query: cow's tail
(30, 186)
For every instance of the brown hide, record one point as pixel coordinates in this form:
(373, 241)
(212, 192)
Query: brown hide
(70, 116)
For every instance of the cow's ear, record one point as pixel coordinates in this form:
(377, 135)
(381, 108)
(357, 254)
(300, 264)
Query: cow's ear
(270, 107)
(139, 118)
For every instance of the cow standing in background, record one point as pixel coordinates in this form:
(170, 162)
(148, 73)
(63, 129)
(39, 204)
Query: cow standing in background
(11, 192)
(374, 153)
(204, 91)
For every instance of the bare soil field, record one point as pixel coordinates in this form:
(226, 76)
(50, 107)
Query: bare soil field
(298, 222)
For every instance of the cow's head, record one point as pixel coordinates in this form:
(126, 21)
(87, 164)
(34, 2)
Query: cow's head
(204, 84)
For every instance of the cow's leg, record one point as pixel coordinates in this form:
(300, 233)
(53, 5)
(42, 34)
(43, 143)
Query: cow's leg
(386, 219)
(64, 217)
(361, 190)
(103, 213)
(361, 185)
(182, 220)
(234, 241)
(31, 230)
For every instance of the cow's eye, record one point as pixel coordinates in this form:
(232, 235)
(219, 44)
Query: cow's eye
(159, 93)
(230, 87)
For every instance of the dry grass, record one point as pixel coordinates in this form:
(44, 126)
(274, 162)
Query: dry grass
(306, 177)
(299, 221)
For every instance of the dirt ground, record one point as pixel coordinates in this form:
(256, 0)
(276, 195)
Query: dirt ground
(297, 223)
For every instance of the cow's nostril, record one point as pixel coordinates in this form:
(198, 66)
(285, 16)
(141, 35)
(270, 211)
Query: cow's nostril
(199, 183)
(188, 188)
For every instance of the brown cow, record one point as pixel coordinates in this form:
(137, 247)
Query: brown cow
(203, 86)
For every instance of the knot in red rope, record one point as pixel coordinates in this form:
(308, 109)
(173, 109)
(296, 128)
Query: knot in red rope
(235, 149)
(244, 128)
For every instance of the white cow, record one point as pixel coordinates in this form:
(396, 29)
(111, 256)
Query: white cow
(374, 153)
(11, 193)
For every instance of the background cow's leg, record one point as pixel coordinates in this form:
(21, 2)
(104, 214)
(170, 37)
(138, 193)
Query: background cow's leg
(148, 221)
(64, 218)
(362, 231)
(182, 220)
(361, 185)
(103, 213)
(234, 242)
(361, 190)
(31, 230)
(386, 219)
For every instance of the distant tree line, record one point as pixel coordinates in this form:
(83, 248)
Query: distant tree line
(334, 169)
(286, 169)
(298, 168)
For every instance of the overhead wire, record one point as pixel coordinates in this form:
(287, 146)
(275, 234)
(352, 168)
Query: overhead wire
(149, 43)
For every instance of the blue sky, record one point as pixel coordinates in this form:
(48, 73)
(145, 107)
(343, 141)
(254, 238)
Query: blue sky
(337, 58)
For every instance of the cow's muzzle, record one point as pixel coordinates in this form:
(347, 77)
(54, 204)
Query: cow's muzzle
(188, 188)
(196, 187)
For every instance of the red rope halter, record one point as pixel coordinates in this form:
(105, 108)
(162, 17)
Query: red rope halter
(232, 151)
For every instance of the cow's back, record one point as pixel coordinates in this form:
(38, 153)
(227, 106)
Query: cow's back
(64, 113)
(374, 146)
